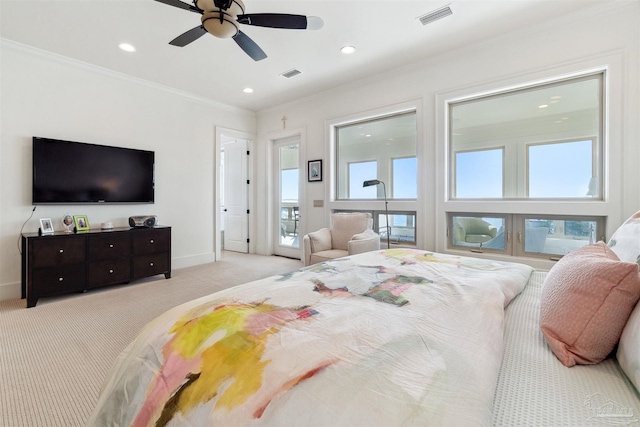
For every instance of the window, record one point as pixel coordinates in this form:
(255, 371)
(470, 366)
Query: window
(402, 227)
(561, 169)
(543, 141)
(404, 178)
(479, 174)
(533, 159)
(358, 173)
(549, 236)
(382, 148)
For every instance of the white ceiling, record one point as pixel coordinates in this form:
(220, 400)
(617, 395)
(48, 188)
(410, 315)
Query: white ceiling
(387, 35)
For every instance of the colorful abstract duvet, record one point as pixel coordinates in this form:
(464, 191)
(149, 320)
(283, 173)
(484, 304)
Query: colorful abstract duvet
(389, 338)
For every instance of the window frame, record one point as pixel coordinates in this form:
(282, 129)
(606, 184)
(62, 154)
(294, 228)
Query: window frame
(387, 175)
(616, 196)
(515, 233)
(415, 206)
(518, 160)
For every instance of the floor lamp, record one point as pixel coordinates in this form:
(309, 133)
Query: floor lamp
(386, 203)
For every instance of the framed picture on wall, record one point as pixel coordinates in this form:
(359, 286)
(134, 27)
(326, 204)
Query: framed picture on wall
(314, 170)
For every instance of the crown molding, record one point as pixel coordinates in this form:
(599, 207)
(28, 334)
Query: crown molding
(54, 57)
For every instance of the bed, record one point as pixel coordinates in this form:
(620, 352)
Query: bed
(396, 337)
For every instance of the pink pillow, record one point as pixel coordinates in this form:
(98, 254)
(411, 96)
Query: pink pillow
(586, 300)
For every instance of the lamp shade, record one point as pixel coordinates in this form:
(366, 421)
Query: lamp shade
(371, 182)
(219, 24)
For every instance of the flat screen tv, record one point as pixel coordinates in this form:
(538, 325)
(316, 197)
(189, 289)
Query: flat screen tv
(66, 172)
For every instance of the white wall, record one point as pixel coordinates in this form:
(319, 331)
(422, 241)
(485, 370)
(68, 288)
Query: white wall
(46, 96)
(546, 50)
(49, 96)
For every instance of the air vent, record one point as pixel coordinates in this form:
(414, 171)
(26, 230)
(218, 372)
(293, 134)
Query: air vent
(435, 15)
(291, 73)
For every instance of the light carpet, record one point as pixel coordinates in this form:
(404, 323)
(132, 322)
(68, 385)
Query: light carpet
(55, 356)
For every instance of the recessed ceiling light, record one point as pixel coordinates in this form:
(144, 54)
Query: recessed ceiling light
(127, 47)
(543, 106)
(247, 90)
(348, 50)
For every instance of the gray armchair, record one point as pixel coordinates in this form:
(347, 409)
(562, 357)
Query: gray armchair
(350, 233)
(472, 230)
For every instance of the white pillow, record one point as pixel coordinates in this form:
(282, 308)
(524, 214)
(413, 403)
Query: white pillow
(629, 348)
(625, 242)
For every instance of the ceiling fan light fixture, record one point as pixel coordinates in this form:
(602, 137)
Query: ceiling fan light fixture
(236, 7)
(219, 24)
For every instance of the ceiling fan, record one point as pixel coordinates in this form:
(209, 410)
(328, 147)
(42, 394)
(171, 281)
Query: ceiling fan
(221, 18)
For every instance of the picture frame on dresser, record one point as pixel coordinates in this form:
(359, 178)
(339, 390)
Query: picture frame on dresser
(81, 222)
(46, 226)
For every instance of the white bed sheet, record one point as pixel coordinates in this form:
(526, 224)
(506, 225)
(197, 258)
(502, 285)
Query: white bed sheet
(535, 389)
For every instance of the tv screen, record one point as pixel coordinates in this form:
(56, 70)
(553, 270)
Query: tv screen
(67, 172)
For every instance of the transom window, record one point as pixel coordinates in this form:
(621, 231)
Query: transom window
(382, 148)
(542, 142)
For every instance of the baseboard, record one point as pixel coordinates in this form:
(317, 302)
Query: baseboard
(9, 291)
(192, 260)
(12, 290)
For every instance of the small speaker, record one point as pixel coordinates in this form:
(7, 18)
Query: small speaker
(148, 221)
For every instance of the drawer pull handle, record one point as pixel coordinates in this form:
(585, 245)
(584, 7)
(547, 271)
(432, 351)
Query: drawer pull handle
(61, 251)
(60, 279)
(110, 271)
(151, 264)
(151, 241)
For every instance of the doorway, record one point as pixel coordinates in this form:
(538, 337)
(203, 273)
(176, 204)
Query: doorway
(287, 227)
(232, 220)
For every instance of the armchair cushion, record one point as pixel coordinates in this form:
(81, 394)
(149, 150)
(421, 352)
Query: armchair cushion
(320, 240)
(323, 256)
(366, 241)
(343, 228)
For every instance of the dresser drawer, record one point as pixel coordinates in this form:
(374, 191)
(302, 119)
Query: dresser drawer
(109, 245)
(150, 265)
(54, 251)
(151, 241)
(58, 280)
(109, 271)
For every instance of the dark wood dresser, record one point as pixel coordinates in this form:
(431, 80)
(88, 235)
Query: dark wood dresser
(63, 263)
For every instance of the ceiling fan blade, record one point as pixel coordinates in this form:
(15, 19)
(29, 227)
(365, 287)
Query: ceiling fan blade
(274, 20)
(249, 46)
(181, 5)
(189, 36)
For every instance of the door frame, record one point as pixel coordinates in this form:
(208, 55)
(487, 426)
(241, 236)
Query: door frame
(273, 138)
(220, 134)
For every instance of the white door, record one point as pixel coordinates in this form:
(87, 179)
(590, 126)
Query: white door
(287, 225)
(235, 207)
